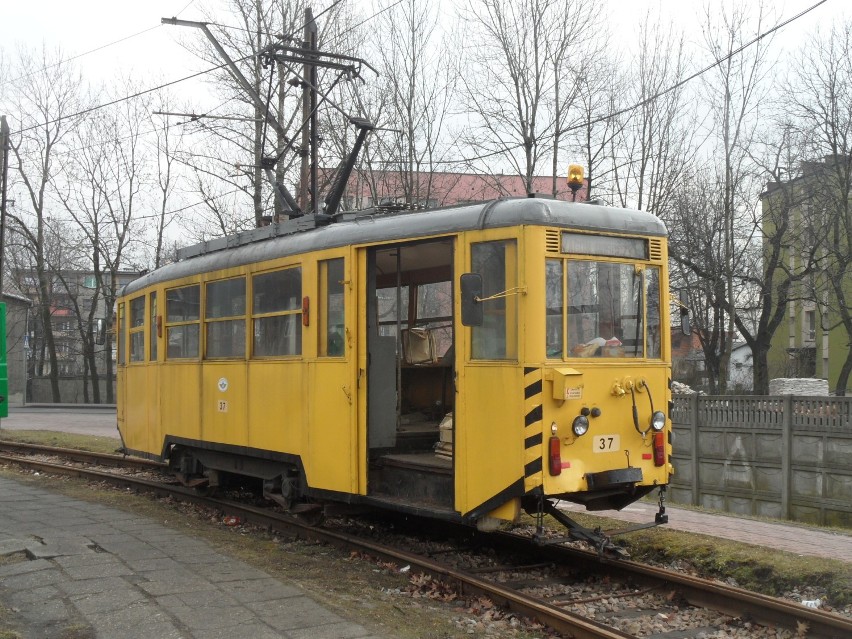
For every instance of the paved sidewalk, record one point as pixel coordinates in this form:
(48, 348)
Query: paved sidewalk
(93, 569)
(82, 420)
(801, 540)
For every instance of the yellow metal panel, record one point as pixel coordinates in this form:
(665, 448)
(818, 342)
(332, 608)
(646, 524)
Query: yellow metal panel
(155, 439)
(332, 436)
(278, 406)
(135, 432)
(180, 401)
(489, 434)
(223, 403)
(594, 451)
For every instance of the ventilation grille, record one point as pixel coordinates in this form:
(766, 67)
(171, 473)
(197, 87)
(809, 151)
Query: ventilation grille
(551, 241)
(656, 250)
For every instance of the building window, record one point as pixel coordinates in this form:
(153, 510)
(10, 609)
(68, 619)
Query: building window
(137, 329)
(277, 313)
(810, 325)
(182, 322)
(225, 318)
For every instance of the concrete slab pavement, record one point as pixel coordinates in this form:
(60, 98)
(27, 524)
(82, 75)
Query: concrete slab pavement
(109, 574)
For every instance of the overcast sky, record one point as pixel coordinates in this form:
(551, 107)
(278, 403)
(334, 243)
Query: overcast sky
(81, 25)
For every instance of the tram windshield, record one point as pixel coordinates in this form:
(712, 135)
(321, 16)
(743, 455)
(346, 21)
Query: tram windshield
(602, 309)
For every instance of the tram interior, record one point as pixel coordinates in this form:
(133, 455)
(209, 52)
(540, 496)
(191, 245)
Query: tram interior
(410, 372)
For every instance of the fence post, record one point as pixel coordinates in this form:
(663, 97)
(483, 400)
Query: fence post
(786, 454)
(693, 423)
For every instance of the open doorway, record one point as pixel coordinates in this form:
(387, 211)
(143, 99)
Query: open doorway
(410, 371)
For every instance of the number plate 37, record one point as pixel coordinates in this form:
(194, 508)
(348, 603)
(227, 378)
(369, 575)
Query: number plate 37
(606, 443)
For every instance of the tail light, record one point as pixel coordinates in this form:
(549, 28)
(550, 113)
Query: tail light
(555, 456)
(659, 449)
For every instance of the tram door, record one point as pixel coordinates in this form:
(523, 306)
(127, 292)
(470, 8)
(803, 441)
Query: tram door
(381, 360)
(409, 357)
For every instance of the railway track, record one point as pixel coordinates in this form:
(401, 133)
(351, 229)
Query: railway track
(532, 585)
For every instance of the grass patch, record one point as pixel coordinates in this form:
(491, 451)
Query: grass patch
(91, 443)
(6, 619)
(767, 570)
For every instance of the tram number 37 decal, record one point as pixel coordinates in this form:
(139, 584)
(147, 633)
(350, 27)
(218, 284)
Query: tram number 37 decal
(606, 443)
(222, 406)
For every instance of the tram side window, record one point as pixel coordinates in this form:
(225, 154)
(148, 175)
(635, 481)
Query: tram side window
(153, 328)
(182, 321)
(277, 313)
(120, 336)
(224, 318)
(137, 329)
(332, 313)
(497, 337)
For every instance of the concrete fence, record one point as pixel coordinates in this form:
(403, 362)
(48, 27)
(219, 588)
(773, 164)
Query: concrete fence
(785, 457)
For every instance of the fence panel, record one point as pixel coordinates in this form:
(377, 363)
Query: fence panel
(783, 457)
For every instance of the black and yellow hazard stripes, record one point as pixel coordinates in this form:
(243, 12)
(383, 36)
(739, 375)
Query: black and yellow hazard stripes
(532, 429)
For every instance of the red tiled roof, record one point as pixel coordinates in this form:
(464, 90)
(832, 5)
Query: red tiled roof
(452, 188)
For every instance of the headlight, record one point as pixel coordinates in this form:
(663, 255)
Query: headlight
(658, 420)
(580, 425)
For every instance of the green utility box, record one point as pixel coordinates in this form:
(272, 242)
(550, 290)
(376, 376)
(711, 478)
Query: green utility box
(4, 369)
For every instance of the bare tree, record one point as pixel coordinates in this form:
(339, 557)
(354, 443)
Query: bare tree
(820, 102)
(734, 90)
(513, 93)
(410, 101)
(102, 192)
(43, 105)
(653, 149)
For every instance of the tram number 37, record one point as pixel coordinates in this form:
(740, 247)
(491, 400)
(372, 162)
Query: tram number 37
(606, 443)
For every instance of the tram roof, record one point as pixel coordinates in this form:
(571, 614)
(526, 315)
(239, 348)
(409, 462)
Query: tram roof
(304, 235)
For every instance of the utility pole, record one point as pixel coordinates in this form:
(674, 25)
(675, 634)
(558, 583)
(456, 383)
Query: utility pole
(308, 182)
(4, 176)
(310, 57)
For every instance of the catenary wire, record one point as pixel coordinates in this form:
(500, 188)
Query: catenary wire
(95, 50)
(482, 156)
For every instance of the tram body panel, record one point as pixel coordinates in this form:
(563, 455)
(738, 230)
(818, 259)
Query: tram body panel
(612, 441)
(277, 406)
(180, 404)
(224, 405)
(489, 435)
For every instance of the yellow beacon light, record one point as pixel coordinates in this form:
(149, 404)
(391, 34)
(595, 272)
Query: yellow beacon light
(575, 178)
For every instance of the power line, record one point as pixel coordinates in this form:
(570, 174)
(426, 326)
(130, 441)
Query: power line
(697, 74)
(96, 49)
(656, 96)
(173, 82)
(80, 55)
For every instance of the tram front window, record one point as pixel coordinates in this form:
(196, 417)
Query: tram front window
(611, 309)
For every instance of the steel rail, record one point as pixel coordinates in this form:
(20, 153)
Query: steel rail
(729, 600)
(83, 456)
(726, 599)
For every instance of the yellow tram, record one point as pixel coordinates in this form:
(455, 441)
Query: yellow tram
(462, 363)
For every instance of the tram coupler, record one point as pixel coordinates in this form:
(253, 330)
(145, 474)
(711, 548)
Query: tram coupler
(576, 532)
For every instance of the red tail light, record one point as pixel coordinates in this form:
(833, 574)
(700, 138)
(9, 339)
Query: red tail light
(659, 449)
(555, 456)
